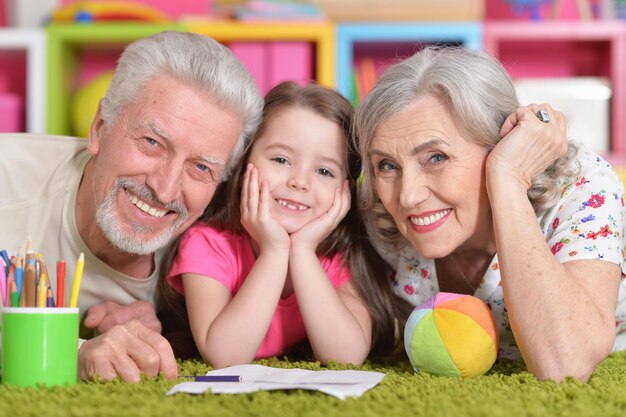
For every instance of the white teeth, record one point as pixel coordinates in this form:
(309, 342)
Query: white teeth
(428, 220)
(142, 205)
(291, 206)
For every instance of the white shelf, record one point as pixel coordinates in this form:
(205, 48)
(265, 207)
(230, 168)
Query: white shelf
(33, 42)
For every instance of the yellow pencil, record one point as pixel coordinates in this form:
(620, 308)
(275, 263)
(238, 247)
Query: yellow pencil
(42, 291)
(43, 264)
(78, 276)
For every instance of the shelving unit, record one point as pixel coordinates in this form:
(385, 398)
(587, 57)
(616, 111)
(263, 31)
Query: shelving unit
(321, 35)
(567, 49)
(407, 36)
(77, 51)
(70, 45)
(25, 49)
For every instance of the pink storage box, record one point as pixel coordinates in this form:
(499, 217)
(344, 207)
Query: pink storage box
(11, 113)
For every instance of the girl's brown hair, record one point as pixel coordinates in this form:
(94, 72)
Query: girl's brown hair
(368, 270)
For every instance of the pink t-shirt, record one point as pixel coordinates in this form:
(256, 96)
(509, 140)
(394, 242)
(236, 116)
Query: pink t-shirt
(228, 258)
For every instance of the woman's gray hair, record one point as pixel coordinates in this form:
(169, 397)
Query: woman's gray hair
(192, 59)
(479, 94)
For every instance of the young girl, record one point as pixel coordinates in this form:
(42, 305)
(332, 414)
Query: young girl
(283, 255)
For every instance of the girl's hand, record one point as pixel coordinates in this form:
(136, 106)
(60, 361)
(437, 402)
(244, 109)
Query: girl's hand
(311, 234)
(256, 217)
(528, 145)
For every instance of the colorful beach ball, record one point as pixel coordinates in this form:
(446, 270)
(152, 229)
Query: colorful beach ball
(451, 335)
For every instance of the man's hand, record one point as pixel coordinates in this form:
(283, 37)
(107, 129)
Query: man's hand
(105, 315)
(127, 351)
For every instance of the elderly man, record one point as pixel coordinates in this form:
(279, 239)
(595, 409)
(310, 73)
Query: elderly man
(175, 118)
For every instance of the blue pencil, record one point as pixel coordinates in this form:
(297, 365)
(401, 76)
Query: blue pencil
(214, 378)
(7, 261)
(19, 273)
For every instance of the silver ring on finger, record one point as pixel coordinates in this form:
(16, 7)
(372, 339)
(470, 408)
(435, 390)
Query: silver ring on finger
(543, 116)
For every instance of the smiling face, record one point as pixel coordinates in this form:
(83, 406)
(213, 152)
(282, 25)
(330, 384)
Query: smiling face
(156, 169)
(302, 156)
(431, 180)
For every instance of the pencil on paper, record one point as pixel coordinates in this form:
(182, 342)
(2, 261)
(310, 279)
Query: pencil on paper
(214, 378)
(78, 275)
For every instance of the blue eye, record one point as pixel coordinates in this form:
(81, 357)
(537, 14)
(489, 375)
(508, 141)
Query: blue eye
(151, 141)
(203, 172)
(325, 172)
(386, 166)
(438, 157)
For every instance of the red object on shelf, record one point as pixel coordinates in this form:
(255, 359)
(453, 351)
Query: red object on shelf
(3, 13)
(12, 111)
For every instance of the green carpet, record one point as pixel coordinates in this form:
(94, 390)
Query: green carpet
(506, 390)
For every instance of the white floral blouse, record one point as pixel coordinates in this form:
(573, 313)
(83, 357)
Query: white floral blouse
(587, 223)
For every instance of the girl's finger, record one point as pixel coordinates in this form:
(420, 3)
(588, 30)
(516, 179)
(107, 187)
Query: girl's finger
(338, 209)
(264, 204)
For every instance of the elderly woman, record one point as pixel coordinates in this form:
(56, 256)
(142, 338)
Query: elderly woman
(467, 192)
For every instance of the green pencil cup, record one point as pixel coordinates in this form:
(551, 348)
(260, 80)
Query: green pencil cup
(39, 346)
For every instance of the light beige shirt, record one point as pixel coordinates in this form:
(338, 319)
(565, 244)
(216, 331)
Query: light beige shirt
(39, 178)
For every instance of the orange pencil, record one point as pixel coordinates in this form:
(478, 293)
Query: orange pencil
(29, 286)
(15, 302)
(61, 283)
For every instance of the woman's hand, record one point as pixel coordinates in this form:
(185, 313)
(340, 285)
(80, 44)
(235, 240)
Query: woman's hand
(528, 145)
(256, 216)
(311, 234)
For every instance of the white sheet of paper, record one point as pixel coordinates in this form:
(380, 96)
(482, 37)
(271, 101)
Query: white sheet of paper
(340, 384)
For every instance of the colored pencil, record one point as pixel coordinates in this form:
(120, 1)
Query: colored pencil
(30, 254)
(29, 286)
(37, 270)
(215, 378)
(7, 261)
(49, 298)
(19, 274)
(61, 283)
(42, 291)
(15, 302)
(44, 268)
(4, 290)
(78, 276)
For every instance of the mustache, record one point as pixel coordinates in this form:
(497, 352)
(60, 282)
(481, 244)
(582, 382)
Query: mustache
(148, 195)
